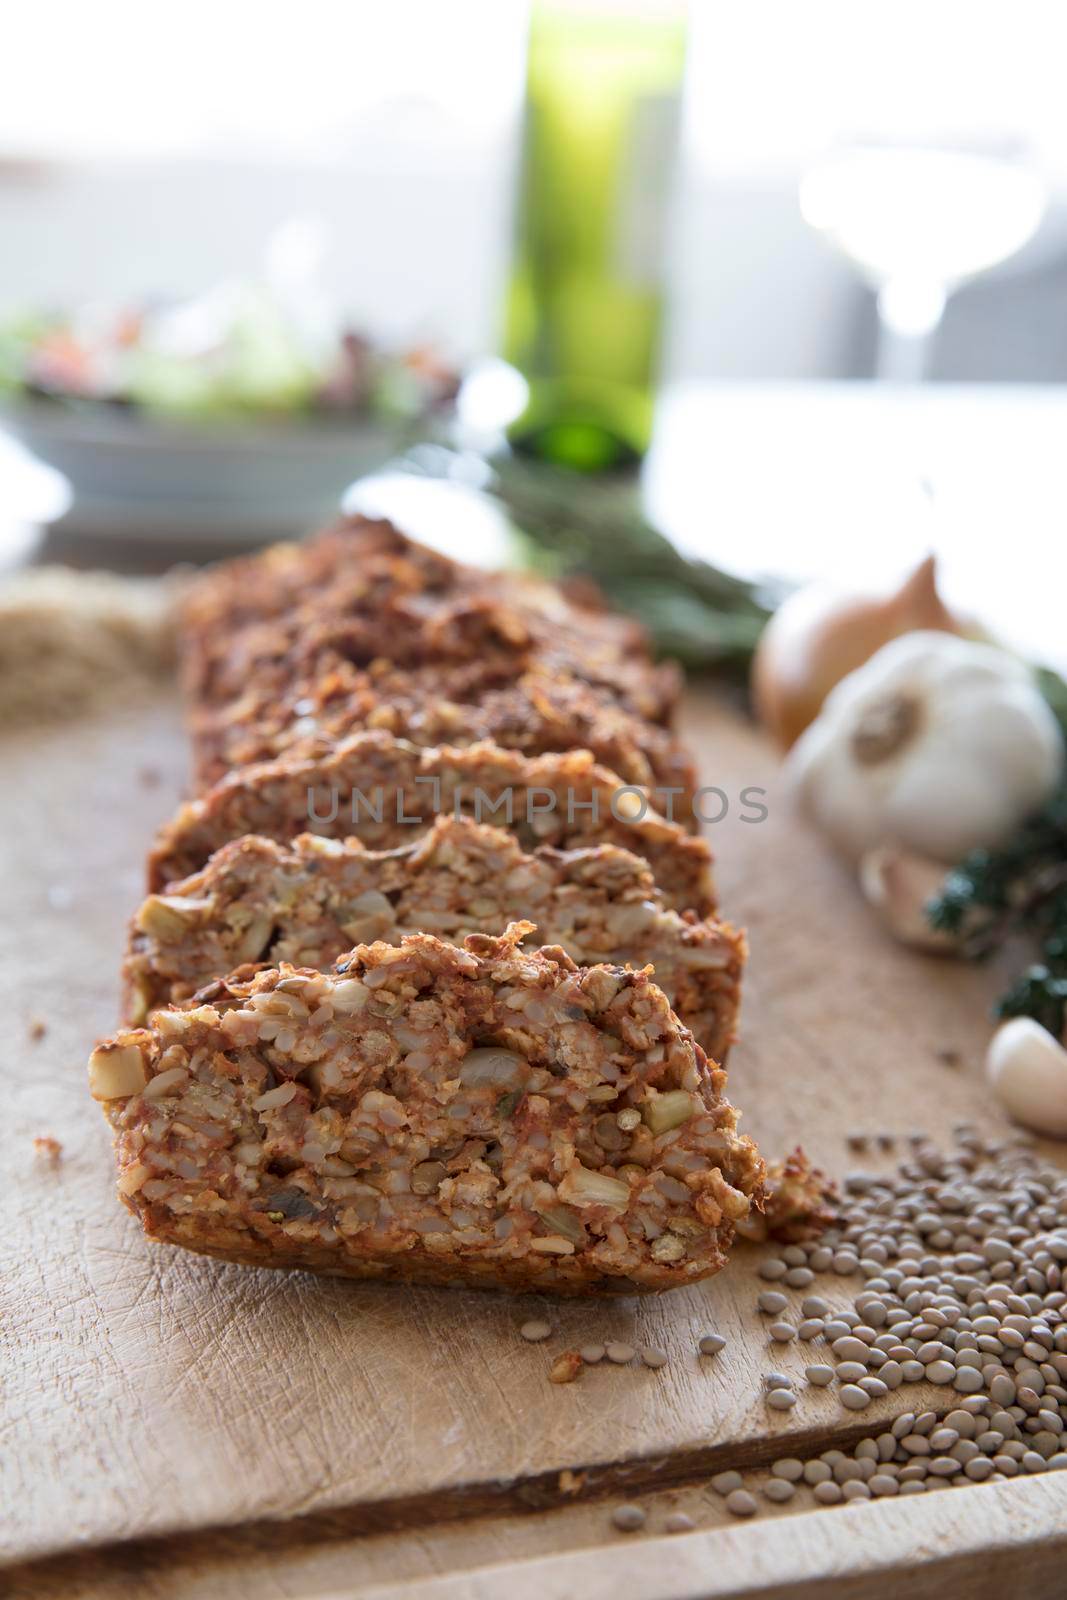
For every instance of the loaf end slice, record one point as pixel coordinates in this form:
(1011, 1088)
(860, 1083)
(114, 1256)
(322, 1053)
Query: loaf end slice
(484, 1115)
(361, 592)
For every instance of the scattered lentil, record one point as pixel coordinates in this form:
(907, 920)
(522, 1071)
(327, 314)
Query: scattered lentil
(725, 1483)
(799, 1277)
(711, 1344)
(651, 1356)
(679, 1522)
(779, 1490)
(740, 1503)
(591, 1354)
(772, 1269)
(628, 1518)
(964, 1261)
(535, 1331)
(772, 1301)
(619, 1353)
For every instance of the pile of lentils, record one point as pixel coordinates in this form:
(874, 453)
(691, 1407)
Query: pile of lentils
(964, 1257)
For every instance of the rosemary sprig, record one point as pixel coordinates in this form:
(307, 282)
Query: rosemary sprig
(1021, 888)
(594, 527)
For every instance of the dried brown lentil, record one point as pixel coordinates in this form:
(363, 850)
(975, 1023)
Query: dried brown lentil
(679, 1522)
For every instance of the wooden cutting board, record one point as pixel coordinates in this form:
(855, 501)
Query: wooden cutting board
(150, 1393)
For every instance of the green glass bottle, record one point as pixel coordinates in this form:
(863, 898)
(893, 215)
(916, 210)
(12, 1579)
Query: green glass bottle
(603, 95)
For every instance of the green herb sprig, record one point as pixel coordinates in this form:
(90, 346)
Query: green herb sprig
(573, 525)
(1019, 889)
(594, 527)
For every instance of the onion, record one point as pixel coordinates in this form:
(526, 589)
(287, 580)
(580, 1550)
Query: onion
(819, 635)
(666, 1111)
(583, 1187)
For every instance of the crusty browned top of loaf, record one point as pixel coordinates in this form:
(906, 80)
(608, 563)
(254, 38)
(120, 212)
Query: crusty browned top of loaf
(536, 713)
(361, 591)
(379, 788)
(486, 1115)
(306, 903)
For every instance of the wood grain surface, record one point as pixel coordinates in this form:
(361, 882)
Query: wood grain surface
(154, 1396)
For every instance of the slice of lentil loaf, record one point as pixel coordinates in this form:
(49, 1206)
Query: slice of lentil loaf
(379, 788)
(486, 1115)
(308, 902)
(536, 713)
(362, 592)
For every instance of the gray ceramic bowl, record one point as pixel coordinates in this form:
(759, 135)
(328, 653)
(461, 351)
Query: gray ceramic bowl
(134, 477)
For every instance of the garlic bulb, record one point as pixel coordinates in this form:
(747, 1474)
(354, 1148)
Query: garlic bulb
(899, 885)
(819, 635)
(938, 745)
(1027, 1068)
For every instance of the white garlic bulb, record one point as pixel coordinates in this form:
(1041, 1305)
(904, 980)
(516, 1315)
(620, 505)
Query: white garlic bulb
(937, 745)
(1027, 1068)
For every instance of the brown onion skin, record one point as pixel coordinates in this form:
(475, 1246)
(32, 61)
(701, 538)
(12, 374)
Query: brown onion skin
(817, 637)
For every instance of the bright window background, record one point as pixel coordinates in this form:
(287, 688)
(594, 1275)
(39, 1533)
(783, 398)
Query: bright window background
(771, 80)
(155, 148)
(268, 81)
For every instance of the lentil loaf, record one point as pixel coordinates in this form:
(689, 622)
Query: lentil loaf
(362, 592)
(537, 712)
(306, 903)
(483, 1115)
(379, 788)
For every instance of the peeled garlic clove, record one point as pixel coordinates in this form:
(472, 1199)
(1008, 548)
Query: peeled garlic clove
(898, 885)
(1027, 1069)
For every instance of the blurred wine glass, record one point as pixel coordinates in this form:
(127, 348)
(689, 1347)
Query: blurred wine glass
(917, 219)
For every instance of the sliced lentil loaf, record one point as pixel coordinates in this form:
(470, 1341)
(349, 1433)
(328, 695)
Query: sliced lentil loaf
(361, 592)
(379, 788)
(537, 713)
(307, 902)
(482, 1115)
